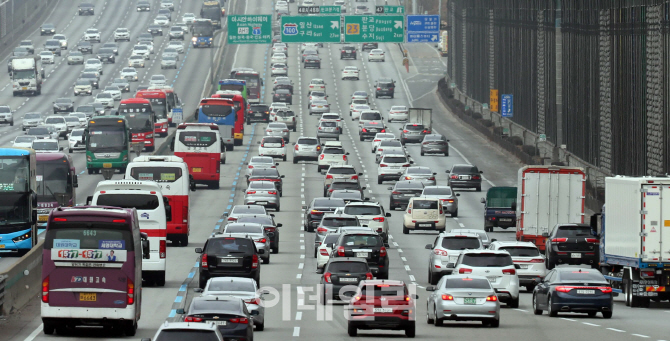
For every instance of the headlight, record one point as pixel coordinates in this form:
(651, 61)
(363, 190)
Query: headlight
(21, 237)
(194, 39)
(149, 136)
(125, 158)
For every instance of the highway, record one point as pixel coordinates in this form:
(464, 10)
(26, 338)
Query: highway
(294, 314)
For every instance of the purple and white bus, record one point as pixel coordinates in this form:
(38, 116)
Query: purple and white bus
(92, 269)
(56, 182)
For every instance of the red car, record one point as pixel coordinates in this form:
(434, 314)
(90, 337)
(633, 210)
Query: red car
(382, 304)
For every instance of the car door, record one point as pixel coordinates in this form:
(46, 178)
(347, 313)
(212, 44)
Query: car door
(543, 289)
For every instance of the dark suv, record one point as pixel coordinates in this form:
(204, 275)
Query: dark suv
(314, 212)
(258, 113)
(229, 256)
(348, 52)
(574, 244)
(341, 276)
(384, 87)
(86, 8)
(369, 46)
(403, 191)
(366, 245)
(271, 228)
(465, 176)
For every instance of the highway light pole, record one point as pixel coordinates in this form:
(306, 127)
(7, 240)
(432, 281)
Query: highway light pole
(212, 55)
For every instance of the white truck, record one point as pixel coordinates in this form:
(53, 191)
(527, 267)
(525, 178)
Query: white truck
(635, 238)
(443, 47)
(26, 78)
(422, 116)
(546, 196)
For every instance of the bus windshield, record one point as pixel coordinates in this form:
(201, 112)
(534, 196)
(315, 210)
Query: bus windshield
(159, 106)
(203, 30)
(158, 174)
(217, 110)
(106, 139)
(13, 209)
(89, 235)
(53, 178)
(14, 174)
(139, 123)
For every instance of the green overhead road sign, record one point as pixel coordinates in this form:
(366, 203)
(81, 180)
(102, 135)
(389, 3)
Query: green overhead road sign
(310, 29)
(319, 9)
(368, 28)
(389, 9)
(249, 29)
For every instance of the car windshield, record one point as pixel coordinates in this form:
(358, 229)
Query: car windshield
(48, 145)
(345, 185)
(518, 251)
(490, 260)
(467, 283)
(77, 133)
(460, 243)
(574, 231)
(361, 240)
(32, 116)
(330, 124)
(437, 191)
(348, 267)
(390, 143)
(256, 160)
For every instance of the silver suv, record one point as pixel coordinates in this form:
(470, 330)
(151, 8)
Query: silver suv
(307, 149)
(7, 115)
(372, 215)
(445, 251)
(31, 119)
(498, 267)
(340, 172)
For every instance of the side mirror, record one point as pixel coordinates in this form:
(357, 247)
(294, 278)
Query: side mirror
(360, 174)
(481, 172)
(145, 339)
(346, 153)
(494, 240)
(430, 288)
(89, 200)
(411, 162)
(172, 144)
(258, 142)
(276, 163)
(537, 280)
(293, 143)
(225, 214)
(282, 176)
(364, 187)
(198, 290)
(434, 173)
(545, 234)
(390, 188)
(429, 246)
(180, 311)
(280, 225)
(366, 199)
(146, 247)
(261, 252)
(198, 250)
(458, 194)
(60, 149)
(482, 200)
(304, 207)
(415, 296)
(388, 214)
(168, 213)
(191, 183)
(75, 181)
(447, 171)
(255, 313)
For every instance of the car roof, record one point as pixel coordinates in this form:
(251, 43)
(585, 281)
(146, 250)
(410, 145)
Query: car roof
(347, 259)
(484, 251)
(513, 243)
(451, 235)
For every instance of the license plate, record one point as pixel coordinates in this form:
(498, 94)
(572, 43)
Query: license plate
(467, 177)
(24, 88)
(425, 225)
(364, 221)
(362, 254)
(492, 279)
(470, 300)
(409, 195)
(523, 266)
(220, 323)
(383, 310)
(197, 170)
(106, 165)
(586, 292)
(228, 260)
(575, 255)
(346, 279)
(88, 296)
(505, 219)
(2, 246)
(258, 114)
(261, 202)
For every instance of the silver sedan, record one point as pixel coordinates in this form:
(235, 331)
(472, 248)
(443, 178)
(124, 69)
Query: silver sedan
(253, 231)
(423, 174)
(278, 130)
(448, 197)
(263, 193)
(244, 288)
(463, 298)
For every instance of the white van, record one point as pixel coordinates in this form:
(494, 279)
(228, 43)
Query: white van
(154, 212)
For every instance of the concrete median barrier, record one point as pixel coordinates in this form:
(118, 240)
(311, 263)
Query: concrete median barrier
(21, 283)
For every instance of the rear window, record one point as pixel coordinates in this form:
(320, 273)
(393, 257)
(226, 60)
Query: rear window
(243, 229)
(159, 174)
(344, 185)
(383, 290)
(371, 116)
(361, 240)
(333, 150)
(522, 251)
(265, 172)
(331, 238)
(420, 171)
(414, 127)
(490, 260)
(454, 243)
(341, 170)
(310, 142)
(186, 334)
(261, 185)
(573, 231)
(363, 210)
(264, 220)
(328, 203)
(437, 191)
(252, 209)
(467, 283)
(392, 143)
(230, 246)
(464, 169)
(338, 222)
(395, 159)
(580, 276)
(231, 286)
(139, 201)
(214, 305)
(408, 185)
(273, 140)
(89, 235)
(197, 138)
(348, 267)
(328, 124)
(260, 108)
(425, 204)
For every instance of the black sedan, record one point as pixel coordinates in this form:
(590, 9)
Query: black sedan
(570, 289)
(63, 105)
(369, 46)
(271, 228)
(573, 244)
(370, 129)
(314, 212)
(465, 176)
(312, 61)
(403, 191)
(106, 55)
(155, 30)
(86, 8)
(258, 113)
(229, 313)
(47, 29)
(282, 95)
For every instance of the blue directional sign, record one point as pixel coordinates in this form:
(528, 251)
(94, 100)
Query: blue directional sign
(423, 28)
(507, 105)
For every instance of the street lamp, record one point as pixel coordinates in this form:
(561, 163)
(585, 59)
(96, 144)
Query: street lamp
(211, 57)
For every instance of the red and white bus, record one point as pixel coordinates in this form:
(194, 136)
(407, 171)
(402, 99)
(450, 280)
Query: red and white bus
(171, 174)
(140, 117)
(161, 108)
(236, 96)
(201, 147)
(172, 100)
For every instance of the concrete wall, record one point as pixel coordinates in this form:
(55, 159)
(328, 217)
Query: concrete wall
(18, 18)
(22, 281)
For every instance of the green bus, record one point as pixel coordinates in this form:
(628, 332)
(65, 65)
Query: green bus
(107, 141)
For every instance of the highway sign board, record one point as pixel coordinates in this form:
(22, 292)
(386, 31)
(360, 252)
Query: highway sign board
(542, 138)
(423, 28)
(310, 29)
(177, 115)
(389, 10)
(319, 9)
(507, 105)
(249, 29)
(368, 28)
(493, 99)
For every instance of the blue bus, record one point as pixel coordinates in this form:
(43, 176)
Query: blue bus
(18, 200)
(213, 11)
(203, 33)
(235, 85)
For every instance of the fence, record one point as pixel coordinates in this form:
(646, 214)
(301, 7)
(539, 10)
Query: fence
(587, 74)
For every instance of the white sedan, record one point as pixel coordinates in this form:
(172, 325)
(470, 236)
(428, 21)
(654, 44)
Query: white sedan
(398, 113)
(188, 18)
(129, 74)
(47, 57)
(105, 99)
(177, 45)
(114, 91)
(376, 55)
(278, 58)
(161, 20)
(158, 80)
(24, 141)
(92, 34)
(358, 109)
(350, 72)
(46, 146)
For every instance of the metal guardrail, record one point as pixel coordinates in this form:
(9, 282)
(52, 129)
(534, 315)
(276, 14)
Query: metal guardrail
(2, 292)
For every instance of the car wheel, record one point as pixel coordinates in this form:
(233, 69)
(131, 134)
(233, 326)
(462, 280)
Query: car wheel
(295, 161)
(260, 327)
(514, 303)
(379, 180)
(607, 314)
(351, 330)
(438, 322)
(550, 309)
(411, 330)
(405, 230)
(455, 214)
(479, 188)
(536, 310)
(494, 323)
(422, 153)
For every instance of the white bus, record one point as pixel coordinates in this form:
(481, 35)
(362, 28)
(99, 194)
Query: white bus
(154, 212)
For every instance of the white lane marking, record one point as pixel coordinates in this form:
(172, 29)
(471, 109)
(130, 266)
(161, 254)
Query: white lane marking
(403, 259)
(591, 324)
(411, 278)
(302, 247)
(296, 331)
(34, 334)
(461, 224)
(640, 335)
(298, 316)
(399, 250)
(298, 276)
(617, 330)
(407, 268)
(567, 319)
(302, 256)
(521, 310)
(301, 265)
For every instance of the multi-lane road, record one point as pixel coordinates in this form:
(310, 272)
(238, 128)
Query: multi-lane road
(293, 314)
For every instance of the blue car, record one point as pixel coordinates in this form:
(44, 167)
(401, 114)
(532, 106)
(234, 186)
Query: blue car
(572, 289)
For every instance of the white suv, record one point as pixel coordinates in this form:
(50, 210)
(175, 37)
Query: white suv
(332, 154)
(372, 215)
(92, 34)
(121, 33)
(342, 173)
(424, 214)
(391, 167)
(528, 257)
(59, 123)
(200, 331)
(445, 251)
(498, 267)
(273, 146)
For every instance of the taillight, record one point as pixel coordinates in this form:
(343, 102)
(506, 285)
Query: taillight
(340, 251)
(454, 177)
(322, 229)
(537, 260)
(162, 248)
(446, 297)
(564, 289)
(382, 165)
(382, 252)
(131, 292)
(344, 157)
(329, 176)
(379, 88)
(395, 192)
(379, 219)
(408, 178)
(268, 131)
(315, 212)
(355, 177)
(270, 229)
(592, 240)
(476, 177)
(324, 252)
(559, 240)
(406, 165)
(326, 277)
(45, 290)
(321, 157)
(296, 147)
(509, 272)
(272, 192)
(464, 271)
(262, 240)
(492, 298)
(256, 301)
(254, 262)
(192, 319)
(364, 130)
(368, 276)
(439, 252)
(605, 290)
(405, 131)
(232, 219)
(251, 192)
(203, 262)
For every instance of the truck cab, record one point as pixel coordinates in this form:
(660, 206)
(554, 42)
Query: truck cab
(499, 208)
